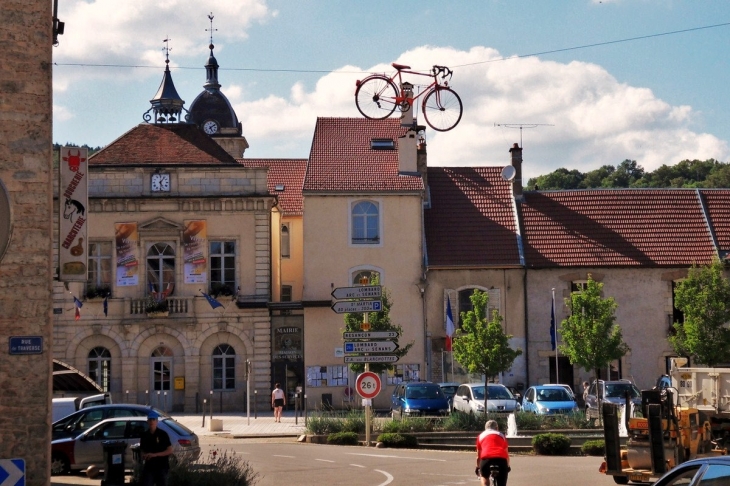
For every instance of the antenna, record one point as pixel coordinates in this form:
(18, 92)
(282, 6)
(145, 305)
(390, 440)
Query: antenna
(521, 126)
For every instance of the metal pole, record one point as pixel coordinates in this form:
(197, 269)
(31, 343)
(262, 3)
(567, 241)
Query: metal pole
(305, 409)
(366, 327)
(211, 405)
(204, 403)
(248, 392)
(255, 404)
(557, 374)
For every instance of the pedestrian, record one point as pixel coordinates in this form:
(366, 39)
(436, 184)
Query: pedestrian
(585, 391)
(278, 400)
(156, 448)
(492, 449)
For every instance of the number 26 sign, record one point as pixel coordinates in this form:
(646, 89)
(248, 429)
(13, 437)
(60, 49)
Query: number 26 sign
(367, 384)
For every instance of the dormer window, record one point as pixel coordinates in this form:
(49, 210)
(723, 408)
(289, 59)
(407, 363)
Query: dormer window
(382, 144)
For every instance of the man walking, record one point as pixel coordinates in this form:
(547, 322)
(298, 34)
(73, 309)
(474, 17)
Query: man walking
(156, 448)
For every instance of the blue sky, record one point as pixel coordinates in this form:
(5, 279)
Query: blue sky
(656, 100)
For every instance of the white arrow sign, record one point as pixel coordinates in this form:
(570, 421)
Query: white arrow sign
(364, 292)
(357, 306)
(383, 358)
(12, 472)
(370, 335)
(370, 347)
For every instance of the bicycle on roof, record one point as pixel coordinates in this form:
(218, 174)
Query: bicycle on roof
(377, 96)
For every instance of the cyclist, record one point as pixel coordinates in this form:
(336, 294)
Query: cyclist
(492, 449)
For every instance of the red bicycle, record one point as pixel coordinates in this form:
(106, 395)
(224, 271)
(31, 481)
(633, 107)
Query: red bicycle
(377, 97)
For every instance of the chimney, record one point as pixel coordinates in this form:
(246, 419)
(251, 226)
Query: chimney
(516, 152)
(407, 158)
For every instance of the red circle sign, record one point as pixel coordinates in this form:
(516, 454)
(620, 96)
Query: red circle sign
(367, 384)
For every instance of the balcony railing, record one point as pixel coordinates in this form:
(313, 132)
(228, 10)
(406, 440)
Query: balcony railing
(175, 305)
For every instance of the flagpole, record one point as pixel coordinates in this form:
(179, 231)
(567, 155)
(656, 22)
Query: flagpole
(555, 323)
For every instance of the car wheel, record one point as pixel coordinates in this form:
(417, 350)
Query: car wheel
(60, 464)
(621, 479)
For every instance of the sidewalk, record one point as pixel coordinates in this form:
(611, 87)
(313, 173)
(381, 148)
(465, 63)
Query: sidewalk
(238, 425)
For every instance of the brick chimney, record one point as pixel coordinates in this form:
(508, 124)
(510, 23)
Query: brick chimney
(516, 152)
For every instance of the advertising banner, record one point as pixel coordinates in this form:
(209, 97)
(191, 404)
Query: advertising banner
(73, 202)
(127, 243)
(195, 251)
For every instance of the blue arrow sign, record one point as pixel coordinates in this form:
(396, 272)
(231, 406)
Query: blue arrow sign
(12, 472)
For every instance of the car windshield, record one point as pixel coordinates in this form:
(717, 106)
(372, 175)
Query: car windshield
(449, 390)
(417, 392)
(553, 395)
(618, 390)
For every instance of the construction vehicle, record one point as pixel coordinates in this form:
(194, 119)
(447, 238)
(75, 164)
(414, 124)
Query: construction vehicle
(663, 437)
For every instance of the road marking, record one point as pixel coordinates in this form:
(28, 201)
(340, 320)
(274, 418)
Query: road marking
(279, 455)
(388, 476)
(385, 456)
(324, 460)
(356, 465)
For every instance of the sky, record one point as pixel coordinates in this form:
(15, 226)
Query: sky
(592, 82)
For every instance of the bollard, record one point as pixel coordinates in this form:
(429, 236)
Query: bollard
(255, 403)
(204, 402)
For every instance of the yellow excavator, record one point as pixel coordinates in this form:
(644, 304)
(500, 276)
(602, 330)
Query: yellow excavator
(664, 436)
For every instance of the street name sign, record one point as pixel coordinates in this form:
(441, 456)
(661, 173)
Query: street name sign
(346, 306)
(26, 344)
(370, 335)
(367, 384)
(370, 347)
(12, 472)
(364, 292)
(377, 358)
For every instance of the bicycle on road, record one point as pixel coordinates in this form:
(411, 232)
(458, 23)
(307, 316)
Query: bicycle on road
(377, 96)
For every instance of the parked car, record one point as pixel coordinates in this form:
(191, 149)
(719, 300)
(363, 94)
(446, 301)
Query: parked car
(76, 423)
(516, 393)
(709, 471)
(418, 398)
(549, 400)
(84, 450)
(449, 390)
(613, 391)
(469, 398)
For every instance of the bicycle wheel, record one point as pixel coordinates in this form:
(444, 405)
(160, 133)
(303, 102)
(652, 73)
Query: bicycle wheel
(375, 97)
(442, 109)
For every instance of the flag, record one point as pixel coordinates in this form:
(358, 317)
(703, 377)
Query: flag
(106, 305)
(553, 330)
(213, 303)
(78, 305)
(449, 324)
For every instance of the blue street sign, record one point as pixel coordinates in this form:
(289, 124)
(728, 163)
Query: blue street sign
(26, 345)
(12, 472)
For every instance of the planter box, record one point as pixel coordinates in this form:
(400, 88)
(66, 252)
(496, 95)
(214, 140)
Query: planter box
(158, 314)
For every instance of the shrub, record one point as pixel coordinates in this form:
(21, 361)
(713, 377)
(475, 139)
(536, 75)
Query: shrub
(528, 421)
(593, 447)
(551, 444)
(354, 421)
(398, 440)
(323, 423)
(343, 438)
(218, 468)
(409, 424)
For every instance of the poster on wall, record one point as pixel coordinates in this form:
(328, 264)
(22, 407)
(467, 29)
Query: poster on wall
(73, 204)
(127, 243)
(195, 245)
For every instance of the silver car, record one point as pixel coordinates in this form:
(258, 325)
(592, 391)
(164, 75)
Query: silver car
(613, 391)
(469, 398)
(84, 450)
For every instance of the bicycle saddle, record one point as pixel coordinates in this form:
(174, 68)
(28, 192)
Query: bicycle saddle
(400, 66)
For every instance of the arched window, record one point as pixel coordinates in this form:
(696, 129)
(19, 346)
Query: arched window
(161, 269)
(100, 366)
(285, 246)
(224, 367)
(365, 223)
(373, 277)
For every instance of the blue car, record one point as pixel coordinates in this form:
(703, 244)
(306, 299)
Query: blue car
(418, 398)
(548, 400)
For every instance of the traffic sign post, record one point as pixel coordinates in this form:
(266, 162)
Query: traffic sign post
(377, 358)
(353, 306)
(368, 384)
(364, 292)
(370, 347)
(370, 335)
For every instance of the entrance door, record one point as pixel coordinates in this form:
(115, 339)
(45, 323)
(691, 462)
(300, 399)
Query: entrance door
(161, 378)
(565, 372)
(290, 376)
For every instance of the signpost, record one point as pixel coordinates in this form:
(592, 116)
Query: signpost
(350, 306)
(368, 384)
(364, 292)
(370, 347)
(370, 335)
(377, 358)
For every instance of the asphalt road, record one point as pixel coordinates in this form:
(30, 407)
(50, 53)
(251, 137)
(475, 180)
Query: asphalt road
(283, 461)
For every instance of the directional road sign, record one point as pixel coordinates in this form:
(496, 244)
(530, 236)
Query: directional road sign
(364, 292)
(377, 358)
(370, 347)
(12, 472)
(368, 384)
(370, 335)
(345, 306)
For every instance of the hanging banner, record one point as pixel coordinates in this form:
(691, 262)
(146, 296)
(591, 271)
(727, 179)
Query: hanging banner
(127, 243)
(73, 201)
(195, 246)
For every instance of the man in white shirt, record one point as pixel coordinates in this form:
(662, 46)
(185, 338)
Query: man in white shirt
(278, 400)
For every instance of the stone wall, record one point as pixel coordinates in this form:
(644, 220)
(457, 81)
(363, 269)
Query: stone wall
(25, 268)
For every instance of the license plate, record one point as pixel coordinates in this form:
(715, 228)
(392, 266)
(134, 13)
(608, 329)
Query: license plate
(637, 477)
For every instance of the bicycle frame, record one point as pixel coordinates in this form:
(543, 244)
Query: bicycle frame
(435, 84)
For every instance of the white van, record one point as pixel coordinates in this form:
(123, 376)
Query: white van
(63, 407)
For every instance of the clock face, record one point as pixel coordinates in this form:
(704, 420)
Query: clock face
(160, 182)
(210, 127)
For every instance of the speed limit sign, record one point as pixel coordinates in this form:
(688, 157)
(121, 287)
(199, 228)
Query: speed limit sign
(367, 384)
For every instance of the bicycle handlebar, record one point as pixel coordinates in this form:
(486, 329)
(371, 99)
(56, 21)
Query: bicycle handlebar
(443, 70)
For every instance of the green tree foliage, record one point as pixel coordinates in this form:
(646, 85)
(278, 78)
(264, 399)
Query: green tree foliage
(481, 346)
(379, 321)
(704, 298)
(591, 337)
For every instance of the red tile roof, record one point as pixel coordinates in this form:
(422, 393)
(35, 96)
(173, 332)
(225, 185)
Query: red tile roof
(175, 144)
(341, 159)
(630, 227)
(717, 202)
(471, 221)
(286, 172)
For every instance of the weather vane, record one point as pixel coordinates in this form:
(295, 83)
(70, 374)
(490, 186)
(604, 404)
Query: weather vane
(167, 49)
(211, 30)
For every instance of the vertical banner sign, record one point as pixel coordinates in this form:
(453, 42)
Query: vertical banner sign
(73, 203)
(195, 246)
(127, 243)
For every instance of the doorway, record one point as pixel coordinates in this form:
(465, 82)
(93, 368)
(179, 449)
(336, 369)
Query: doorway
(565, 371)
(161, 378)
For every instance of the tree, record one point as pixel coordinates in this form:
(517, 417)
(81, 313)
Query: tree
(481, 346)
(379, 321)
(704, 298)
(591, 337)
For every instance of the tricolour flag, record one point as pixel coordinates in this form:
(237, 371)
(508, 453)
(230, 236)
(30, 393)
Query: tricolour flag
(449, 324)
(106, 305)
(213, 303)
(553, 330)
(78, 305)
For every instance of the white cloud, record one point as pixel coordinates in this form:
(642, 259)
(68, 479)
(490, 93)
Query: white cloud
(61, 114)
(595, 119)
